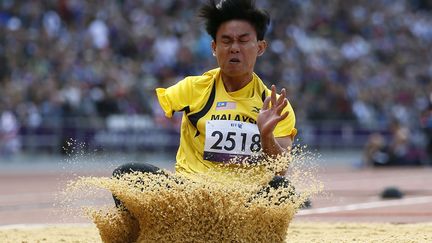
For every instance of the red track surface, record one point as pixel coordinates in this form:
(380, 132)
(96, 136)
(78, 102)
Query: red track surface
(351, 195)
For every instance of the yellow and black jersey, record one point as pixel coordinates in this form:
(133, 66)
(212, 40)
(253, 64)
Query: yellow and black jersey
(217, 125)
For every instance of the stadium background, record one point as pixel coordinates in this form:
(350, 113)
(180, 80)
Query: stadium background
(77, 82)
(87, 71)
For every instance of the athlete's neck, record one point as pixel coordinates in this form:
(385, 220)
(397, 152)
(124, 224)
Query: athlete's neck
(235, 83)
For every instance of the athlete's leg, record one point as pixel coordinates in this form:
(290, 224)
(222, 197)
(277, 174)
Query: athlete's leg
(129, 229)
(133, 167)
(278, 182)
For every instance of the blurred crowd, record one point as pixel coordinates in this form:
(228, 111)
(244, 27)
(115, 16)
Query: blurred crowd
(367, 62)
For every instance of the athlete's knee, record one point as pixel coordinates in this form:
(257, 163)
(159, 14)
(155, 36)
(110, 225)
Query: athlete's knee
(131, 168)
(279, 181)
(135, 167)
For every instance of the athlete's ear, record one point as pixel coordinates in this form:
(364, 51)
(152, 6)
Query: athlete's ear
(262, 46)
(213, 47)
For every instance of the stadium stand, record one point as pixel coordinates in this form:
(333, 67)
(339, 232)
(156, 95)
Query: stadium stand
(73, 68)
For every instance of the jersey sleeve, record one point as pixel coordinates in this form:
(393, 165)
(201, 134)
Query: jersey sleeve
(176, 97)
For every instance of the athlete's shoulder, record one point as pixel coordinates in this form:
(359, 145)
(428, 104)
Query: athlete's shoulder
(195, 83)
(205, 78)
(201, 82)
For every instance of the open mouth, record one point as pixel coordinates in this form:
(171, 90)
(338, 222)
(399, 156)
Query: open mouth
(234, 60)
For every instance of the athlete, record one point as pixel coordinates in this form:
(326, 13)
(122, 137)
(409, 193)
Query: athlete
(228, 112)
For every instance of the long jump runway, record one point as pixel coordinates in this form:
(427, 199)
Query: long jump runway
(354, 195)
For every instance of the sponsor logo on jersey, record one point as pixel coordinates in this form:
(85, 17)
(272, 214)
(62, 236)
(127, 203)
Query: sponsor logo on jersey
(256, 109)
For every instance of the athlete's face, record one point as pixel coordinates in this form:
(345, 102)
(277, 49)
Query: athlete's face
(236, 48)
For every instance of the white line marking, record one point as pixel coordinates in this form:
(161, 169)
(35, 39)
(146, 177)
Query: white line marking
(367, 205)
(40, 226)
(24, 196)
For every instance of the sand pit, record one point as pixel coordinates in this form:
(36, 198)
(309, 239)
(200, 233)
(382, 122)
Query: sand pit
(237, 205)
(49, 233)
(298, 232)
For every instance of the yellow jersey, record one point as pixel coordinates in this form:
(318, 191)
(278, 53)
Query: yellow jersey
(218, 125)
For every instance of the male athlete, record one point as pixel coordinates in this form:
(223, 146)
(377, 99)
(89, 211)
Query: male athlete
(228, 112)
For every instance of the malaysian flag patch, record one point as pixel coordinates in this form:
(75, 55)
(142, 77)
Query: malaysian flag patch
(225, 105)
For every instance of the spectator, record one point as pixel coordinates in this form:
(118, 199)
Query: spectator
(426, 125)
(368, 62)
(398, 151)
(10, 143)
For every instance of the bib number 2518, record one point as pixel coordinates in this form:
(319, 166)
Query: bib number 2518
(229, 139)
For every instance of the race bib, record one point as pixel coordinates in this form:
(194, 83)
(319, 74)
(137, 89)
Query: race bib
(226, 140)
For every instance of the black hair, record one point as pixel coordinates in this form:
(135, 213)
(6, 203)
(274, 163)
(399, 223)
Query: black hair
(216, 14)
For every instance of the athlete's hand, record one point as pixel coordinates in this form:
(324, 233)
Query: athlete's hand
(270, 115)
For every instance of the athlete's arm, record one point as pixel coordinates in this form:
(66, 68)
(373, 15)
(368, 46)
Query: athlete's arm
(268, 118)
